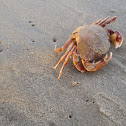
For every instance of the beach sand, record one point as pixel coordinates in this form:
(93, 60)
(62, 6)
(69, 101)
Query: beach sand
(30, 93)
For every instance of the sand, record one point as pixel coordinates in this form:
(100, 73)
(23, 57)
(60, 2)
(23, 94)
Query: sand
(30, 93)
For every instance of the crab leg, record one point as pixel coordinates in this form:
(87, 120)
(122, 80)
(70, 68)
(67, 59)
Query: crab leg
(66, 60)
(98, 65)
(64, 46)
(115, 38)
(100, 21)
(103, 21)
(76, 63)
(64, 56)
(96, 22)
(108, 21)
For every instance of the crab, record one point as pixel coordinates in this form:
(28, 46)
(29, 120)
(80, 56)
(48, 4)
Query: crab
(89, 46)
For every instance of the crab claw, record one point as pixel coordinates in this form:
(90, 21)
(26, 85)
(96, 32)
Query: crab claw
(115, 38)
(94, 66)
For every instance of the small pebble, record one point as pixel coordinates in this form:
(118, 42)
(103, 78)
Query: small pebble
(74, 83)
(112, 11)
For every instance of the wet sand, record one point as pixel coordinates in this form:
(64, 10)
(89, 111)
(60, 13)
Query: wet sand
(30, 93)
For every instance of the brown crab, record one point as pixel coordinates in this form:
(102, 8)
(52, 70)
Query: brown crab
(90, 43)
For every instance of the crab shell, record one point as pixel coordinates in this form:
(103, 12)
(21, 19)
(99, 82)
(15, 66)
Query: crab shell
(92, 42)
